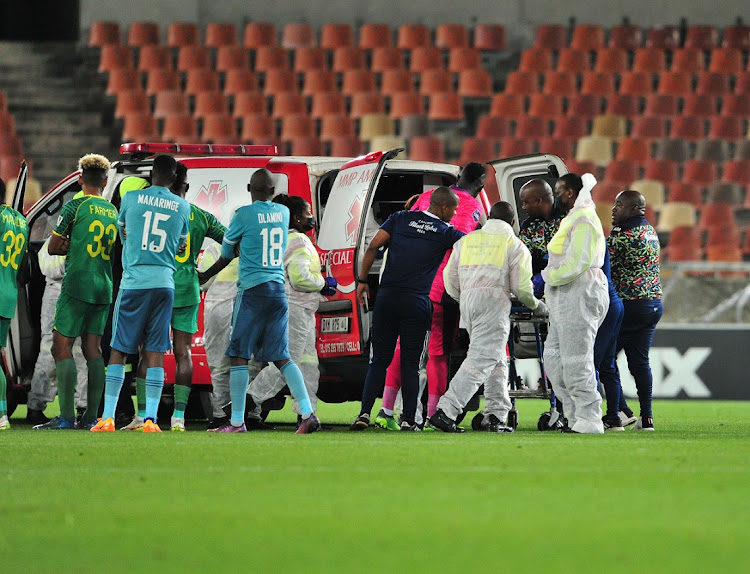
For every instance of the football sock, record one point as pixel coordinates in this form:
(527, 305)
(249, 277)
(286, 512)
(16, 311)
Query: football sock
(140, 396)
(296, 383)
(154, 385)
(181, 395)
(113, 380)
(432, 403)
(3, 398)
(67, 377)
(94, 389)
(239, 377)
(389, 398)
(437, 374)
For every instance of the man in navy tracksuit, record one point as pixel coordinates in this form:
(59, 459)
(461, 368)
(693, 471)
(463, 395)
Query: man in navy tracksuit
(634, 255)
(417, 242)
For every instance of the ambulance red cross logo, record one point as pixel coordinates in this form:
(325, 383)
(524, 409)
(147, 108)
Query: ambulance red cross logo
(355, 210)
(212, 197)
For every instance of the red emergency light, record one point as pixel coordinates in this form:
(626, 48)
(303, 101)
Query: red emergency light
(152, 148)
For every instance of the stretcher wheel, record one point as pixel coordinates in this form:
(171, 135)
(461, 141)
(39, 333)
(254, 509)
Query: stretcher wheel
(477, 423)
(513, 419)
(543, 424)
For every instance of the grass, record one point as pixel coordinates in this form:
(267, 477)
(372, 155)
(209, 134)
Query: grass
(676, 500)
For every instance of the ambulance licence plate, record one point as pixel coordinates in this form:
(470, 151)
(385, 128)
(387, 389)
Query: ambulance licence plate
(334, 325)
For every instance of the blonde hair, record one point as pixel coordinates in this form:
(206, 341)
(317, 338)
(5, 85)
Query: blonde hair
(93, 161)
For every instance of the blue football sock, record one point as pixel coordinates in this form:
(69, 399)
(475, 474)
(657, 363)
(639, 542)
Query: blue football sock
(154, 385)
(296, 383)
(239, 377)
(113, 381)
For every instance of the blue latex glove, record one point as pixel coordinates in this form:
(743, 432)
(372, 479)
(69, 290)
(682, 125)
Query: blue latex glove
(538, 286)
(330, 287)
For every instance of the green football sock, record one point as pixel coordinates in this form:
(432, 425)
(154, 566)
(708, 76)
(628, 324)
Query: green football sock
(181, 395)
(94, 390)
(140, 396)
(3, 398)
(67, 377)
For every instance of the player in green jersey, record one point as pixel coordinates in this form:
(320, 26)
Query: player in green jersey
(14, 238)
(187, 296)
(86, 232)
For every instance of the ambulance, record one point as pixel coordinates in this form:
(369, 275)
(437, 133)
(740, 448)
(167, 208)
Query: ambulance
(350, 198)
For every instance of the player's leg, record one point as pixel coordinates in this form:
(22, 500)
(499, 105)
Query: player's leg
(437, 363)
(184, 325)
(244, 333)
(155, 343)
(69, 322)
(44, 381)
(128, 321)
(216, 316)
(415, 316)
(385, 332)
(91, 345)
(4, 423)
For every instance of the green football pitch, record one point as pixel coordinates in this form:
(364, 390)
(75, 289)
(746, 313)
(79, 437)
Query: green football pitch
(676, 500)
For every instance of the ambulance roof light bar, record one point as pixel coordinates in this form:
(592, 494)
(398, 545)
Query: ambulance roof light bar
(144, 149)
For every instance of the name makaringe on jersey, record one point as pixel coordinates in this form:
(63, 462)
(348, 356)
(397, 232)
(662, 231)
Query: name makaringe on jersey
(159, 202)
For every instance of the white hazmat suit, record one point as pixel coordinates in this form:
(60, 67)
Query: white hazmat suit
(302, 282)
(218, 307)
(44, 381)
(486, 267)
(578, 299)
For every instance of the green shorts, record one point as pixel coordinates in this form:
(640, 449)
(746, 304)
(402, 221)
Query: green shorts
(74, 317)
(4, 328)
(185, 319)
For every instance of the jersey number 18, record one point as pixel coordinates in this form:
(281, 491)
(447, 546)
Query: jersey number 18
(273, 240)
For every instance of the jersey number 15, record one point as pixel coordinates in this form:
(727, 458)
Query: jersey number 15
(151, 228)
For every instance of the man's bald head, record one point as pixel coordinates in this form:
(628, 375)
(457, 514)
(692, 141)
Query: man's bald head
(261, 185)
(504, 211)
(537, 199)
(443, 203)
(628, 203)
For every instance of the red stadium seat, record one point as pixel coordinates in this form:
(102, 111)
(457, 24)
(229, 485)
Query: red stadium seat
(560, 84)
(426, 148)
(664, 105)
(573, 61)
(259, 34)
(143, 34)
(449, 36)
(551, 36)
(702, 37)
(220, 34)
(182, 34)
(535, 60)
(507, 105)
(374, 35)
(425, 58)
(587, 37)
(687, 60)
(626, 37)
(611, 61)
(649, 61)
(663, 37)
(490, 37)
(411, 36)
(104, 33)
(297, 34)
(333, 36)
(219, 129)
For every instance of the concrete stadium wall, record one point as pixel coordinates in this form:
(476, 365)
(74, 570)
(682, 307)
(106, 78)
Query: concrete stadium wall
(520, 17)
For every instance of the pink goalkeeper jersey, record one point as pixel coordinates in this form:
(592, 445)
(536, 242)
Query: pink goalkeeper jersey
(467, 216)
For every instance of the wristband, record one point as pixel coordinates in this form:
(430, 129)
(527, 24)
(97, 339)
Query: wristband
(358, 280)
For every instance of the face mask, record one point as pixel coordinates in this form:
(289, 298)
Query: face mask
(309, 226)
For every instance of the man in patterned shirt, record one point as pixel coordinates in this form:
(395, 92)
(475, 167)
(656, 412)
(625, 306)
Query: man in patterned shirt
(542, 223)
(634, 255)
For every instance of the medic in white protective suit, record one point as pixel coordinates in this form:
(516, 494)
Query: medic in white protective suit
(486, 268)
(578, 299)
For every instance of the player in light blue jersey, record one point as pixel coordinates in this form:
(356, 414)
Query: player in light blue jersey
(153, 228)
(260, 325)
